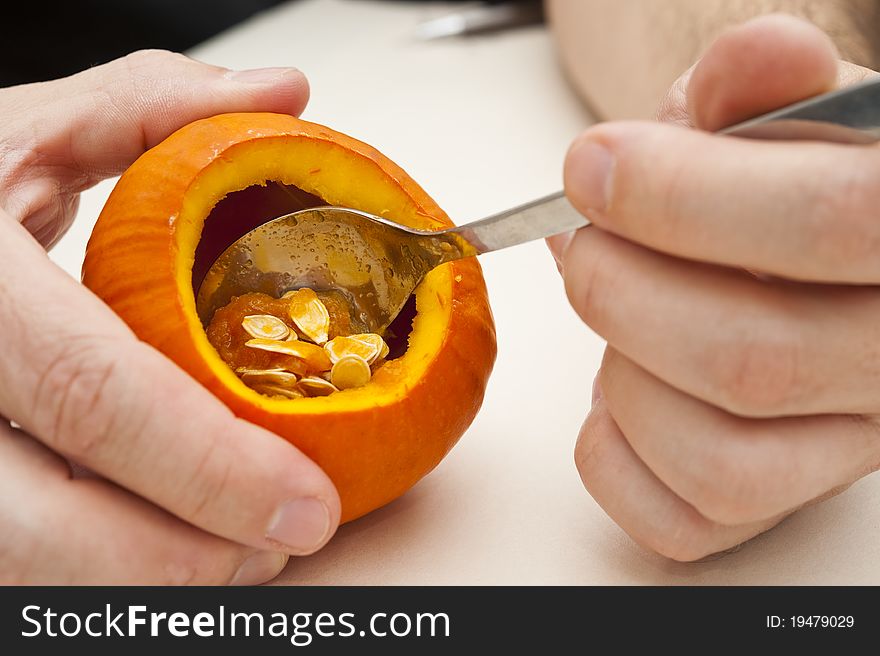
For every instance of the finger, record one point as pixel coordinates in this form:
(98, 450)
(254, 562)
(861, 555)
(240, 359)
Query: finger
(759, 66)
(734, 470)
(57, 530)
(673, 107)
(73, 132)
(756, 67)
(752, 347)
(102, 119)
(74, 376)
(849, 74)
(640, 503)
(737, 202)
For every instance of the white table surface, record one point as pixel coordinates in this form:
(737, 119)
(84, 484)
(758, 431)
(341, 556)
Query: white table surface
(483, 124)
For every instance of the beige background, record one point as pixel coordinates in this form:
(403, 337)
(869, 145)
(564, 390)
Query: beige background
(483, 124)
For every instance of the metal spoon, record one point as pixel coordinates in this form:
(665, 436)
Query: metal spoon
(377, 263)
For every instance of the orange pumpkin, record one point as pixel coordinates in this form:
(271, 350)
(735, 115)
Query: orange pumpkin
(182, 202)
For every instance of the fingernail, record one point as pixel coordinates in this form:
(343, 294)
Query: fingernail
(260, 75)
(558, 244)
(597, 391)
(588, 170)
(259, 568)
(301, 525)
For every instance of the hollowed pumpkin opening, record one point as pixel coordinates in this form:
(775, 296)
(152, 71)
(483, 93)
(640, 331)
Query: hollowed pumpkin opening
(241, 211)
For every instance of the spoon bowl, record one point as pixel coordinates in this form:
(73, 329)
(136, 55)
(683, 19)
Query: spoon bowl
(376, 264)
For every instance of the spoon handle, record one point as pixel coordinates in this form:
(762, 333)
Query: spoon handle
(540, 218)
(850, 115)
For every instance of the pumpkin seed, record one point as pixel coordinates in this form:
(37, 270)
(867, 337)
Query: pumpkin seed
(350, 371)
(309, 314)
(265, 326)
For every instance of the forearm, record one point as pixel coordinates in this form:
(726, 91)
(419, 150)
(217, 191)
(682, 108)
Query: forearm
(622, 55)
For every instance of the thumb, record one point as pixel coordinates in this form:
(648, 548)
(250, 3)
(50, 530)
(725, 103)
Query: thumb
(92, 125)
(100, 120)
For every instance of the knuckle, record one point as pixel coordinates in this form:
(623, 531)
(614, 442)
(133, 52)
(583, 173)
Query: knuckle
(670, 193)
(692, 537)
(759, 373)
(594, 278)
(210, 482)
(208, 560)
(727, 495)
(588, 450)
(183, 570)
(75, 400)
(685, 544)
(735, 486)
(844, 234)
(204, 560)
(151, 60)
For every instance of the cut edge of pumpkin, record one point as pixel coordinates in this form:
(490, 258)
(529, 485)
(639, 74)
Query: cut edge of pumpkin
(328, 174)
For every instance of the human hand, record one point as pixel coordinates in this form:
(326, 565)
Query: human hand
(736, 283)
(189, 493)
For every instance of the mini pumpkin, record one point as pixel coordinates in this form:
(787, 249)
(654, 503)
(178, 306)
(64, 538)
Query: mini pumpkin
(182, 202)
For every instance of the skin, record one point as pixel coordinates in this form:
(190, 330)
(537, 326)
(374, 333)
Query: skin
(178, 490)
(622, 55)
(735, 282)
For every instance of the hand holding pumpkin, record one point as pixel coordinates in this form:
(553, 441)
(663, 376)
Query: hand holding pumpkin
(727, 399)
(197, 495)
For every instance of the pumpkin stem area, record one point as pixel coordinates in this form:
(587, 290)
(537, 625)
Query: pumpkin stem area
(299, 345)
